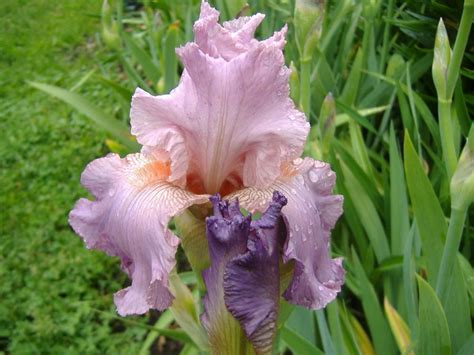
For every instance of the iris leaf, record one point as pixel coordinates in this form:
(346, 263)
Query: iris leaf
(298, 344)
(433, 332)
(101, 118)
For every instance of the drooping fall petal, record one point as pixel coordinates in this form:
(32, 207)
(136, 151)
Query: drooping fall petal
(251, 280)
(311, 213)
(128, 218)
(243, 278)
(227, 232)
(231, 82)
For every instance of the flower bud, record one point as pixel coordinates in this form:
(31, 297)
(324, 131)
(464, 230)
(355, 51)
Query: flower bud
(442, 57)
(309, 16)
(462, 183)
(110, 33)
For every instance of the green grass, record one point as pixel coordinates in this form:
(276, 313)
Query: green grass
(56, 296)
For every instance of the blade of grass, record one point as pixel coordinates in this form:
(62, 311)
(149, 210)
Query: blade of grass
(151, 70)
(169, 57)
(399, 328)
(399, 225)
(368, 215)
(335, 327)
(429, 215)
(101, 118)
(409, 281)
(298, 344)
(433, 332)
(324, 332)
(363, 341)
(382, 338)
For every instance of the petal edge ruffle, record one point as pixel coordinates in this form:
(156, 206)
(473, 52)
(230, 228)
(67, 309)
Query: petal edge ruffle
(128, 218)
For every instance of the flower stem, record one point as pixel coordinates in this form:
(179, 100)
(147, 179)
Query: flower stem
(305, 86)
(447, 139)
(453, 239)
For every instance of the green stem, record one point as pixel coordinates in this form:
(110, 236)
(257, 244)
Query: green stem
(305, 86)
(386, 35)
(447, 139)
(453, 239)
(459, 47)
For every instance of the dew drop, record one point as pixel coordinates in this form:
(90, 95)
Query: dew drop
(313, 176)
(292, 117)
(297, 228)
(305, 238)
(297, 161)
(300, 179)
(319, 164)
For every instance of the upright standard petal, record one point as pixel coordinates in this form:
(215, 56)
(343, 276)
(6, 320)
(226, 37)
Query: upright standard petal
(219, 97)
(251, 280)
(128, 218)
(311, 213)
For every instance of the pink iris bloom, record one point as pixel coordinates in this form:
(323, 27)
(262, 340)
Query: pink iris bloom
(229, 127)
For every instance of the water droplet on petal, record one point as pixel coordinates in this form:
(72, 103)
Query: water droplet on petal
(297, 228)
(297, 161)
(319, 164)
(313, 176)
(299, 179)
(305, 238)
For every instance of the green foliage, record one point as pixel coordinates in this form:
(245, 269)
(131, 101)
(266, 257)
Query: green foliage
(363, 74)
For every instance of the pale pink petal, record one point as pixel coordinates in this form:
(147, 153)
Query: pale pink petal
(310, 214)
(230, 118)
(156, 131)
(231, 114)
(227, 41)
(129, 218)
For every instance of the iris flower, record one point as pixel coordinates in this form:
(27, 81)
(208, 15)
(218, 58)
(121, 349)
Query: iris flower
(229, 127)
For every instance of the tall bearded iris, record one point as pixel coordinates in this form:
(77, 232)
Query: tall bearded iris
(228, 128)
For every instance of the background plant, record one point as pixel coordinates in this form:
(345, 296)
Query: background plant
(391, 117)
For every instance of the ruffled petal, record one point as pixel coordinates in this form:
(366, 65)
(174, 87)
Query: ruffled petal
(227, 41)
(311, 213)
(227, 232)
(251, 280)
(233, 112)
(128, 218)
(153, 121)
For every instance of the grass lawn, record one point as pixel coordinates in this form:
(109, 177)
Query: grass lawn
(55, 295)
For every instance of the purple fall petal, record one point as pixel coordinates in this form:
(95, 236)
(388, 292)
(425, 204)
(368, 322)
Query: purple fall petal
(227, 233)
(251, 280)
